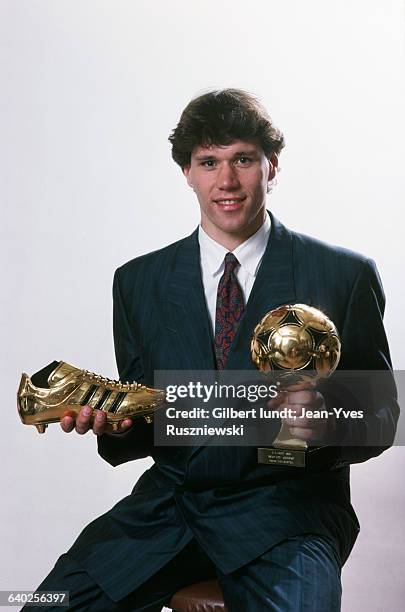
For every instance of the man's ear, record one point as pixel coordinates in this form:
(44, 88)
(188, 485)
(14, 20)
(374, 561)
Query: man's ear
(186, 172)
(273, 166)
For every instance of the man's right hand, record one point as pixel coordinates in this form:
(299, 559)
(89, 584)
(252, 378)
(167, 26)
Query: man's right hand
(89, 419)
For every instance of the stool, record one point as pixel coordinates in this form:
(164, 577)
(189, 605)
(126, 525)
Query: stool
(199, 597)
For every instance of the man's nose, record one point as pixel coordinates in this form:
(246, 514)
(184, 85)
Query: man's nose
(227, 177)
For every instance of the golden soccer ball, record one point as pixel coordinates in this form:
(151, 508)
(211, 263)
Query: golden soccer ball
(298, 343)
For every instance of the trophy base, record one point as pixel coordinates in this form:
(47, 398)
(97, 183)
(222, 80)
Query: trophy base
(289, 457)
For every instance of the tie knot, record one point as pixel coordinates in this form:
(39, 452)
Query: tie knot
(230, 263)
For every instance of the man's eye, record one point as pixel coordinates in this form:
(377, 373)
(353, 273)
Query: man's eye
(208, 163)
(244, 160)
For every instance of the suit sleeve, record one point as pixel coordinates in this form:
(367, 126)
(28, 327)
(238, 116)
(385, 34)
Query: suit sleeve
(138, 441)
(365, 350)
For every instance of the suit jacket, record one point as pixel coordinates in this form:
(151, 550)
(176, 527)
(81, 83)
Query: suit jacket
(235, 508)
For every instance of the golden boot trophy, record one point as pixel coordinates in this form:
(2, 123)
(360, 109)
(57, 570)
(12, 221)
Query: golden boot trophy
(60, 387)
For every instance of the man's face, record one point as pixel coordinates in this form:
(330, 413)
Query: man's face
(231, 184)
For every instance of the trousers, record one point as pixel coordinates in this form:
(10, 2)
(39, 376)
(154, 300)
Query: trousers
(300, 574)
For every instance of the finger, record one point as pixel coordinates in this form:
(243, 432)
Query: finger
(297, 415)
(67, 423)
(83, 420)
(309, 433)
(100, 422)
(301, 433)
(275, 402)
(123, 426)
(295, 410)
(302, 423)
(308, 384)
(307, 398)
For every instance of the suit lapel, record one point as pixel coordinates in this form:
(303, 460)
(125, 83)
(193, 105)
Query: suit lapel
(187, 311)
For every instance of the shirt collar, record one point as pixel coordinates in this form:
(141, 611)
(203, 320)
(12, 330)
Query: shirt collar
(249, 253)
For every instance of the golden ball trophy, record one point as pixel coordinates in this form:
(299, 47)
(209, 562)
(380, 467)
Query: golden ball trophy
(295, 344)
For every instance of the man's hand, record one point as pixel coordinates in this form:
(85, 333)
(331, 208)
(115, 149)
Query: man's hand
(302, 399)
(95, 420)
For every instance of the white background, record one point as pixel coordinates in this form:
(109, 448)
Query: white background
(90, 91)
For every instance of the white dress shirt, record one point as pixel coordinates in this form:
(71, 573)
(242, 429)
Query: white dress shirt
(249, 254)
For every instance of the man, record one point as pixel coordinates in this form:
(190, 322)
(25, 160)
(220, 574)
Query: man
(276, 537)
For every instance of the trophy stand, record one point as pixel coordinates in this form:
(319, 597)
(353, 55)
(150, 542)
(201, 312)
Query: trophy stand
(285, 450)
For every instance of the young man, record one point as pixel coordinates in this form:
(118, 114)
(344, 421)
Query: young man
(276, 537)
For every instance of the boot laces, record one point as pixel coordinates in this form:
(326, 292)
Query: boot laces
(115, 384)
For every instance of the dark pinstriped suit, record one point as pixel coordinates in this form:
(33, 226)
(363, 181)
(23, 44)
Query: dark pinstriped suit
(235, 508)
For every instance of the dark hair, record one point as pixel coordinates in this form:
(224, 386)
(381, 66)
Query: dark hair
(219, 118)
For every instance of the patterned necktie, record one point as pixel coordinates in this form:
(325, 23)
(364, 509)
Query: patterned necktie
(230, 307)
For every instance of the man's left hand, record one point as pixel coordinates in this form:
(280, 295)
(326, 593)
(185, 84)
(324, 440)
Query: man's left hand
(301, 401)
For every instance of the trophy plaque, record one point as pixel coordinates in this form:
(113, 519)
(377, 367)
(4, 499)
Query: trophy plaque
(295, 345)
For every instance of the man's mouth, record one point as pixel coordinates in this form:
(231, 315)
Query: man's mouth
(229, 202)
